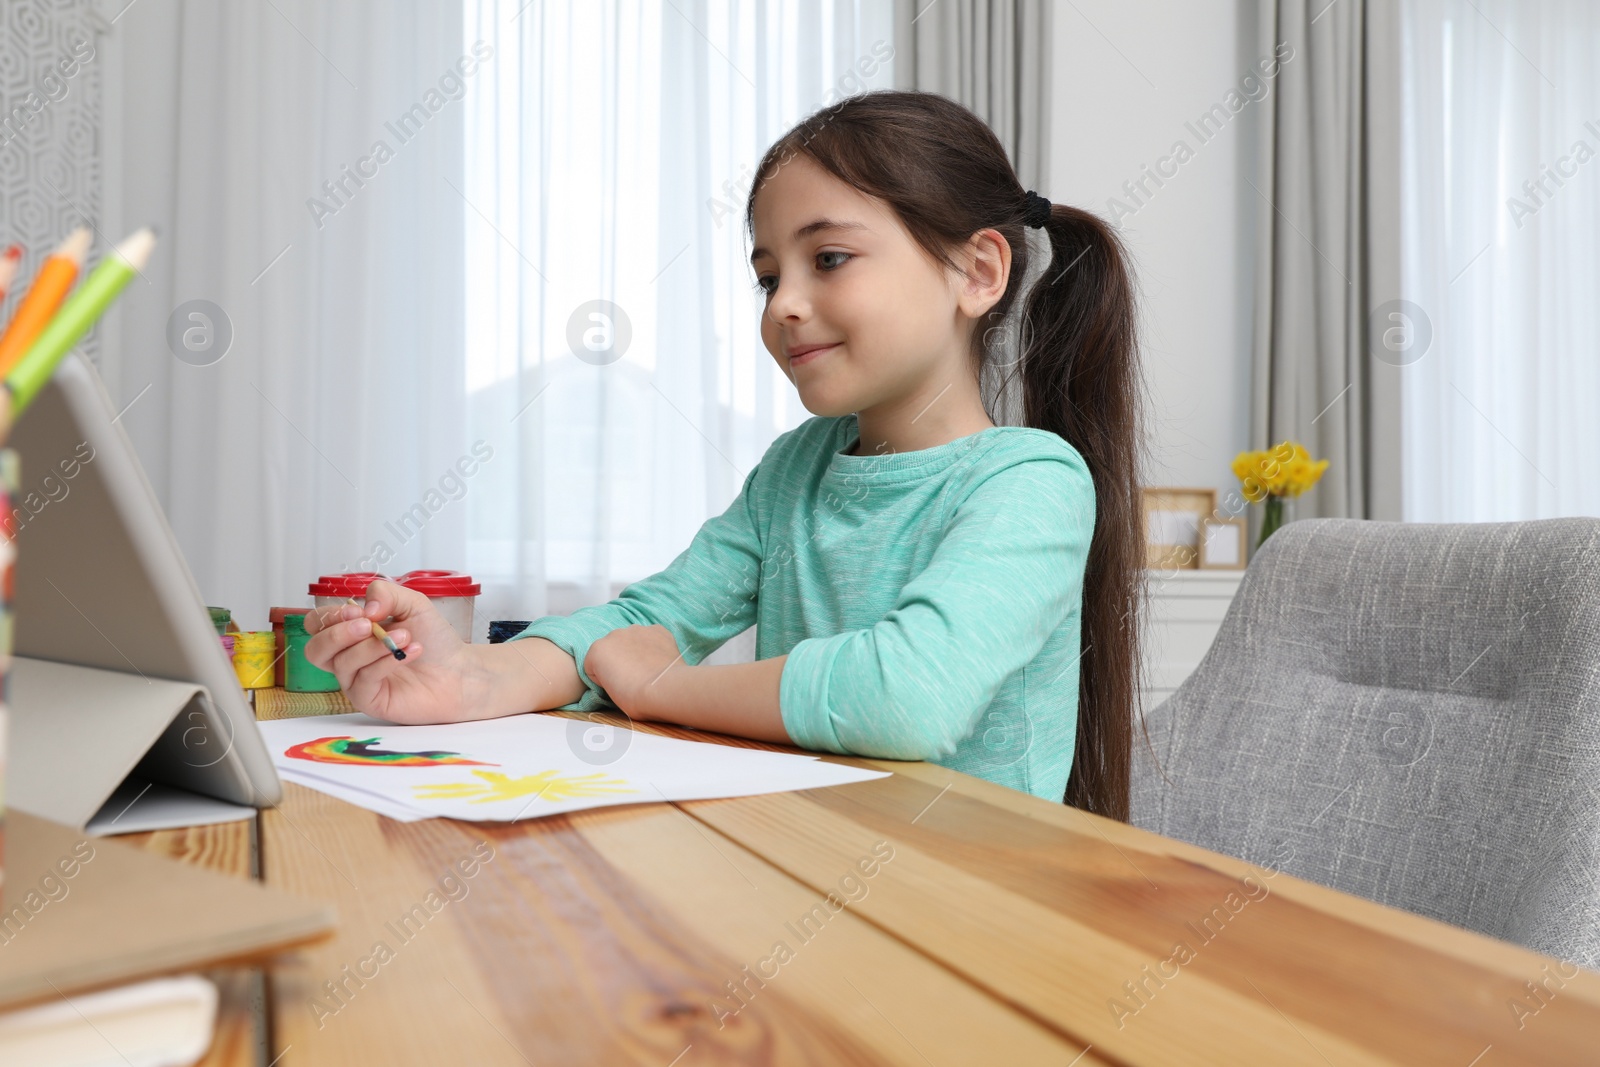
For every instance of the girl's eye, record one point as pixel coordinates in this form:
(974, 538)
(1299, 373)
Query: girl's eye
(840, 263)
(761, 284)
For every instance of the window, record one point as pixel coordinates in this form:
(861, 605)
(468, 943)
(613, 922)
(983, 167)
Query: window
(1501, 256)
(608, 159)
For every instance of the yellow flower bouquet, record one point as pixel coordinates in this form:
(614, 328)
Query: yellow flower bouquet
(1283, 471)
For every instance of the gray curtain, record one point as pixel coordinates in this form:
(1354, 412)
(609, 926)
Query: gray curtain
(990, 55)
(1328, 255)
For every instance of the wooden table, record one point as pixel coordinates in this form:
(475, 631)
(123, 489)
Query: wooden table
(993, 928)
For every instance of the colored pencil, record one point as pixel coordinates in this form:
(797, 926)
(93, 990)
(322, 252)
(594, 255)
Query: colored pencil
(381, 634)
(10, 263)
(49, 289)
(76, 316)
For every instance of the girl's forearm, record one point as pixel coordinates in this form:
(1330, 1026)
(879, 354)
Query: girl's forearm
(733, 698)
(532, 674)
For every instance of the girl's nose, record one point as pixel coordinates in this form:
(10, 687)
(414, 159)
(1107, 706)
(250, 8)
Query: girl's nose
(788, 304)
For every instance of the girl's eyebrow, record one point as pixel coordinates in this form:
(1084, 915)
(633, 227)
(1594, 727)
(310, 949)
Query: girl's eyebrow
(810, 228)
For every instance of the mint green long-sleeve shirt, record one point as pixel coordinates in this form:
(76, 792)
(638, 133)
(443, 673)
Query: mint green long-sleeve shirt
(929, 602)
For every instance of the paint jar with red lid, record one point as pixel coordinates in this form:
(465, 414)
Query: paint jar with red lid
(334, 589)
(454, 594)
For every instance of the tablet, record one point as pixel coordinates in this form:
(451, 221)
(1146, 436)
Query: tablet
(101, 582)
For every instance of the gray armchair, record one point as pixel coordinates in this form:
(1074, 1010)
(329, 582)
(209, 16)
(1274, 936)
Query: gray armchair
(1408, 712)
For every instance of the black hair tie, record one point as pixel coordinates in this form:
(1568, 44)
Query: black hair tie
(1036, 211)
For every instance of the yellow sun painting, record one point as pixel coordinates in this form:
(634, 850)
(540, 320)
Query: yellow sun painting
(546, 785)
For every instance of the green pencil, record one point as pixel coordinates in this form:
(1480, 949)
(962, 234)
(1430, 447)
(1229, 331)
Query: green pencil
(76, 317)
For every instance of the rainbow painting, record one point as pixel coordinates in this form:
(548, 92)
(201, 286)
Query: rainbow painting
(350, 751)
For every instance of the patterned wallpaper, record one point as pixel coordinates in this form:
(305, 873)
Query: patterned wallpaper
(50, 146)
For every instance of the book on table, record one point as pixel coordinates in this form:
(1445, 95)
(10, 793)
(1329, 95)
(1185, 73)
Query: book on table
(155, 1023)
(82, 914)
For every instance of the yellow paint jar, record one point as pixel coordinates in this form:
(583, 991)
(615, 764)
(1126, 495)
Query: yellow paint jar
(253, 654)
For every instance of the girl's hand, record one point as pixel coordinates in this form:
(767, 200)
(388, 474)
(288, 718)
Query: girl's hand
(627, 663)
(440, 680)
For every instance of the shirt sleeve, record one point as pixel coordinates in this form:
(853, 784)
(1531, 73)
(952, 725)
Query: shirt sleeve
(704, 597)
(1007, 571)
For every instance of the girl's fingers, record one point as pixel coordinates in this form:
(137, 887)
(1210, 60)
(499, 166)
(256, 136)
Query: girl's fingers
(361, 648)
(335, 635)
(362, 688)
(385, 599)
(345, 644)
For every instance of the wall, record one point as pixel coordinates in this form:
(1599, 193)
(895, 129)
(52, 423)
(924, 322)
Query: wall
(50, 147)
(1128, 76)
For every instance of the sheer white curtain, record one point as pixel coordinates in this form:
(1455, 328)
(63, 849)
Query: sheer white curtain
(328, 434)
(607, 161)
(1501, 252)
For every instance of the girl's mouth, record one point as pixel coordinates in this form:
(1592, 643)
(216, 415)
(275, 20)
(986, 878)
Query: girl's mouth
(807, 357)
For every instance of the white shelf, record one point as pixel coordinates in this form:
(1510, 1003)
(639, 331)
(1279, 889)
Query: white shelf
(1186, 610)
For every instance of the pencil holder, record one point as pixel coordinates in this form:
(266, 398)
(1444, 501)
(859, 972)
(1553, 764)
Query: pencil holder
(8, 558)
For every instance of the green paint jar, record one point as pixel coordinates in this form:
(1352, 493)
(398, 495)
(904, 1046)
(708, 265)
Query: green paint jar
(300, 676)
(220, 618)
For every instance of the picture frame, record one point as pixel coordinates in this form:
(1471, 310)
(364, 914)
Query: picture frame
(1223, 545)
(1172, 518)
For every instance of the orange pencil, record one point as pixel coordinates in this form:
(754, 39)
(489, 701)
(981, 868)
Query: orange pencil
(44, 298)
(8, 268)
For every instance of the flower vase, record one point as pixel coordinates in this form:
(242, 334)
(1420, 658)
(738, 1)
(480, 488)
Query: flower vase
(1278, 511)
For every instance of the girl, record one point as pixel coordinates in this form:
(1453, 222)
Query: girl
(925, 584)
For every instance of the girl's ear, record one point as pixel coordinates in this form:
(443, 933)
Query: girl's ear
(987, 269)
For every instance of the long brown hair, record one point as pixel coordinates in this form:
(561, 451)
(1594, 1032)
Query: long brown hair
(947, 176)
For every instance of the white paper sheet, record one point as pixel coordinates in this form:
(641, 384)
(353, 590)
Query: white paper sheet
(525, 766)
(359, 797)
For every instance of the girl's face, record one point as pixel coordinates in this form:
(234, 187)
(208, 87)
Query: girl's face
(840, 270)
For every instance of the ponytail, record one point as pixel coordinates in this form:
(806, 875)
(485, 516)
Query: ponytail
(946, 175)
(1080, 379)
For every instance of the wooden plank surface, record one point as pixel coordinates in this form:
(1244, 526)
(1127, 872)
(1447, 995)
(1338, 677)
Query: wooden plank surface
(1450, 940)
(229, 848)
(276, 703)
(1075, 920)
(1152, 956)
(1003, 929)
(622, 935)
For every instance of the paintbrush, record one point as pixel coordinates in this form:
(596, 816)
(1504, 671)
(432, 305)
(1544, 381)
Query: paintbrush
(381, 634)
